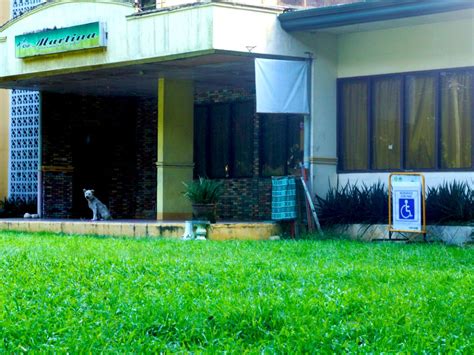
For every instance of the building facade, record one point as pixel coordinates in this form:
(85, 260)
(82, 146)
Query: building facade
(170, 95)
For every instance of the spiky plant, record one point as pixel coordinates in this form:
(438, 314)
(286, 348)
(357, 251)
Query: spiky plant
(16, 207)
(450, 202)
(354, 204)
(203, 191)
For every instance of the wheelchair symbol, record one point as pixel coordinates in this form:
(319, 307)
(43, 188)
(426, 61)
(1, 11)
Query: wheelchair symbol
(406, 209)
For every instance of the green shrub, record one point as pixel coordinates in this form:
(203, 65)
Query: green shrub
(450, 202)
(447, 203)
(354, 204)
(16, 207)
(203, 191)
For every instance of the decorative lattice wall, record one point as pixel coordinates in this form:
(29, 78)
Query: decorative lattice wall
(24, 129)
(19, 7)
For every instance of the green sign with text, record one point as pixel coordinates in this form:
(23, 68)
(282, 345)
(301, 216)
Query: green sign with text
(60, 40)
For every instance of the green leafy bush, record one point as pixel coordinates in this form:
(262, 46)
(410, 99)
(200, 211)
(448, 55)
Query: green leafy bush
(447, 203)
(354, 204)
(16, 207)
(203, 191)
(450, 202)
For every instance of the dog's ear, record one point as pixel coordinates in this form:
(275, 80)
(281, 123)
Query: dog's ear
(93, 191)
(84, 190)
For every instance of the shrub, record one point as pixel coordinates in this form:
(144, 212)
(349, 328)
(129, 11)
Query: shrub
(447, 203)
(354, 204)
(203, 191)
(450, 202)
(16, 207)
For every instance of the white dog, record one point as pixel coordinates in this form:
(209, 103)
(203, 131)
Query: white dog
(99, 210)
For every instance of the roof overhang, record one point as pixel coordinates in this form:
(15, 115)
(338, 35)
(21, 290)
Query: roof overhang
(195, 42)
(209, 71)
(363, 12)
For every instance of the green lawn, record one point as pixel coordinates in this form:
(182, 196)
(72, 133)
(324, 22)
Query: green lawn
(62, 293)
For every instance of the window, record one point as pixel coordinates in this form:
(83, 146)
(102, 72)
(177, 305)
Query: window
(223, 140)
(354, 102)
(242, 133)
(281, 144)
(413, 121)
(420, 132)
(456, 119)
(387, 118)
(148, 4)
(219, 121)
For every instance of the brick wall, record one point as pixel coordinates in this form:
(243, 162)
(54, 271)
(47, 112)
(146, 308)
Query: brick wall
(146, 132)
(244, 198)
(57, 166)
(103, 143)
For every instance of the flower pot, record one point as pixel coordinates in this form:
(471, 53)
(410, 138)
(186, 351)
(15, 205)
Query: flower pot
(204, 211)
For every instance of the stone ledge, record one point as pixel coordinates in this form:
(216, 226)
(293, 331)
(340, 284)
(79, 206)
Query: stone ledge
(456, 235)
(142, 229)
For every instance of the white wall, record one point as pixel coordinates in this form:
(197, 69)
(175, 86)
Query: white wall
(323, 47)
(244, 29)
(447, 44)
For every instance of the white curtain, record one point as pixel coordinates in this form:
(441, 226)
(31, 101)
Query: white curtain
(282, 86)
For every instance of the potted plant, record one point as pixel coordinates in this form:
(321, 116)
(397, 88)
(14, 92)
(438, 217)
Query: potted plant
(204, 195)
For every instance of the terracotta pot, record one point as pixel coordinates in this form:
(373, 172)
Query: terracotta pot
(204, 211)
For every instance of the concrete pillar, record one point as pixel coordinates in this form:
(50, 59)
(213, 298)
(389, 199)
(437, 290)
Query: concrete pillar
(175, 147)
(323, 160)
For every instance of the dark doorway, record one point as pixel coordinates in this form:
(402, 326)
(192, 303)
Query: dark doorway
(92, 169)
(107, 144)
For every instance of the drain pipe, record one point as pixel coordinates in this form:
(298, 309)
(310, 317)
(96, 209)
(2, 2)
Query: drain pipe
(307, 123)
(39, 198)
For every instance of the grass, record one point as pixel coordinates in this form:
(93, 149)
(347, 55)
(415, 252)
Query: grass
(86, 294)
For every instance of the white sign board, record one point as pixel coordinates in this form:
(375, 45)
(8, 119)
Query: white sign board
(282, 86)
(406, 203)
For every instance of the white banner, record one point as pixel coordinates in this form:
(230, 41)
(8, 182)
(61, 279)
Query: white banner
(282, 86)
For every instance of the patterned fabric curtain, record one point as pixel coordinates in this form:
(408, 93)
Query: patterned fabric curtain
(456, 120)
(354, 106)
(421, 123)
(386, 120)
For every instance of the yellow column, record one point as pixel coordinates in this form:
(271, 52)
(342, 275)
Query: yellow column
(4, 118)
(175, 147)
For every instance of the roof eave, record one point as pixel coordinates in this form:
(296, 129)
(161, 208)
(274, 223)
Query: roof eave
(356, 13)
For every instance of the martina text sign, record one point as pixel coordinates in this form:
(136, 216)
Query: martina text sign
(60, 40)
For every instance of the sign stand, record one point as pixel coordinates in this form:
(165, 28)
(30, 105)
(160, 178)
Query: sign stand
(406, 204)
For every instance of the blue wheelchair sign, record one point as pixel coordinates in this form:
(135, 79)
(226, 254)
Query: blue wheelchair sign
(406, 200)
(406, 208)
